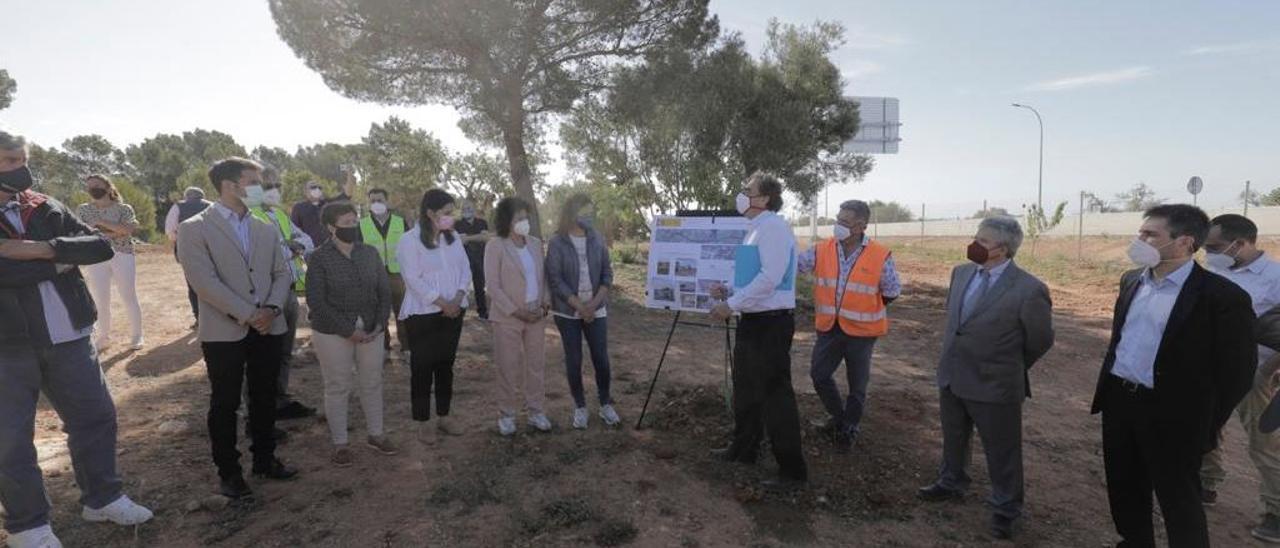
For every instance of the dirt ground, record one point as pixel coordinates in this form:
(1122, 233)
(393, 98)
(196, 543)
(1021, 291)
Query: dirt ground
(651, 487)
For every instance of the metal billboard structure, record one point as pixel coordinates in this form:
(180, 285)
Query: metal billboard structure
(878, 132)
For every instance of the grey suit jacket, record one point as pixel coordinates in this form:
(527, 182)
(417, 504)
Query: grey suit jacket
(231, 288)
(986, 357)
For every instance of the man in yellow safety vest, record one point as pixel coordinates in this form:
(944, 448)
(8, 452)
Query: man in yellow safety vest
(854, 281)
(295, 244)
(383, 229)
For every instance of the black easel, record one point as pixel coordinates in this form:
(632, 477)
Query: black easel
(728, 358)
(728, 343)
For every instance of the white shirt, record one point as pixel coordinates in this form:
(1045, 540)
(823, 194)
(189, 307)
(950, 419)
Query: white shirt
(777, 244)
(171, 223)
(584, 279)
(239, 224)
(1144, 325)
(1261, 280)
(430, 274)
(56, 318)
(531, 278)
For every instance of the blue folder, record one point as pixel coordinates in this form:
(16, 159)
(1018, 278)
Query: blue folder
(746, 265)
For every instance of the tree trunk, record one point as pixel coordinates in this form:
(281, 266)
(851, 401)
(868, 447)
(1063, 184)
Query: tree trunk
(521, 175)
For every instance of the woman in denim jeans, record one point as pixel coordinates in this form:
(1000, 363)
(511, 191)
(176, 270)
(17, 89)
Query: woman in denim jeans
(579, 275)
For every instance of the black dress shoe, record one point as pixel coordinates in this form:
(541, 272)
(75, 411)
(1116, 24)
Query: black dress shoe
(727, 454)
(1001, 527)
(937, 493)
(294, 410)
(783, 484)
(276, 471)
(235, 487)
(843, 443)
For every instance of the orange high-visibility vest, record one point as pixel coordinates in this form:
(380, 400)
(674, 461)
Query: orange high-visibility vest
(861, 312)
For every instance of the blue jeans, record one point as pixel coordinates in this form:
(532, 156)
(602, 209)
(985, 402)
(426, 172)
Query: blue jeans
(597, 335)
(830, 349)
(72, 380)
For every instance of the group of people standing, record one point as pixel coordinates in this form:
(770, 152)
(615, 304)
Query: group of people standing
(239, 260)
(1184, 353)
(1183, 358)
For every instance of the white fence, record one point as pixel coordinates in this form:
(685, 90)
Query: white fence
(1093, 224)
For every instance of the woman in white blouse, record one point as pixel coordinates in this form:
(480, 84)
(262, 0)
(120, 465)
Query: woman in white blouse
(436, 274)
(518, 303)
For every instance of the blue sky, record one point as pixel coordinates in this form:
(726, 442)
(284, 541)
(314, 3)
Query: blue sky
(1130, 91)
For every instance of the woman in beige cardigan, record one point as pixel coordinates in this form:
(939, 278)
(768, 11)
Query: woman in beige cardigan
(518, 304)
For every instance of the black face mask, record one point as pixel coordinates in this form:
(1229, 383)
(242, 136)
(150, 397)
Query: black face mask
(98, 193)
(347, 234)
(16, 181)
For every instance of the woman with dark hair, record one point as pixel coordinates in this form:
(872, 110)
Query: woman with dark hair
(518, 303)
(349, 295)
(580, 275)
(436, 274)
(116, 220)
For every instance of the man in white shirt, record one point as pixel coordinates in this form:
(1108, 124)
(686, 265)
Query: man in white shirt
(1231, 252)
(1181, 357)
(763, 399)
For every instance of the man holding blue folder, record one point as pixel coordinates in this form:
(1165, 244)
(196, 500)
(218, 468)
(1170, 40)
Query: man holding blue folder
(765, 296)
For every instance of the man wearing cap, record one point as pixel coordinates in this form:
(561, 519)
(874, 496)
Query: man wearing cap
(192, 204)
(306, 213)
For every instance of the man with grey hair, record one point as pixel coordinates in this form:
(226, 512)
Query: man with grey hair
(192, 204)
(999, 323)
(46, 317)
(854, 281)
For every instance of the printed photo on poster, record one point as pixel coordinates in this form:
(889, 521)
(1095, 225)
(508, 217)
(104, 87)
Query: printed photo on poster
(662, 290)
(686, 268)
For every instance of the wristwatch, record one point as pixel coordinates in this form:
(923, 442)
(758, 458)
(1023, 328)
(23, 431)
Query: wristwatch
(273, 308)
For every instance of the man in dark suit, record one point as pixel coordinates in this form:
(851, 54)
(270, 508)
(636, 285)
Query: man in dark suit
(999, 323)
(1181, 357)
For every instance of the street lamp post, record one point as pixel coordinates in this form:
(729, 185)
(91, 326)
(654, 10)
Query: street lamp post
(1040, 184)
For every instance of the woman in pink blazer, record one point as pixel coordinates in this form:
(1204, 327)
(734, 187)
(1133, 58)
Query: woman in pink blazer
(518, 304)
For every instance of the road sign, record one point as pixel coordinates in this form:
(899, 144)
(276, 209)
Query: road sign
(1195, 185)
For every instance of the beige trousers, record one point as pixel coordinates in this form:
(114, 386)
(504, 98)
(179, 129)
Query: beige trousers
(520, 357)
(1264, 449)
(342, 364)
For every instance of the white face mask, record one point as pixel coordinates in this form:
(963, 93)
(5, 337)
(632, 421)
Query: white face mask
(271, 197)
(841, 232)
(1144, 254)
(1219, 262)
(253, 195)
(521, 227)
(315, 193)
(378, 208)
(742, 203)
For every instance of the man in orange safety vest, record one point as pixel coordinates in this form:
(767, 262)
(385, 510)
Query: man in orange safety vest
(853, 282)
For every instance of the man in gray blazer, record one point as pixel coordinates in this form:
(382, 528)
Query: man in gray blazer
(999, 322)
(235, 264)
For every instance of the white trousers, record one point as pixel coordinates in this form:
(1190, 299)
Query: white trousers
(120, 271)
(341, 362)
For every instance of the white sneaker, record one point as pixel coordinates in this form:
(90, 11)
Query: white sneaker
(580, 418)
(540, 421)
(610, 416)
(40, 537)
(121, 512)
(506, 425)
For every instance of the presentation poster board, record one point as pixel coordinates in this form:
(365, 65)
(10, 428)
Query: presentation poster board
(687, 255)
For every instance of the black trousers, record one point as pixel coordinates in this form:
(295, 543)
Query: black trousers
(1142, 454)
(476, 258)
(255, 359)
(433, 342)
(763, 399)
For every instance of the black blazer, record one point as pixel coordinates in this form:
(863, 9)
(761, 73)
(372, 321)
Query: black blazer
(1207, 356)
